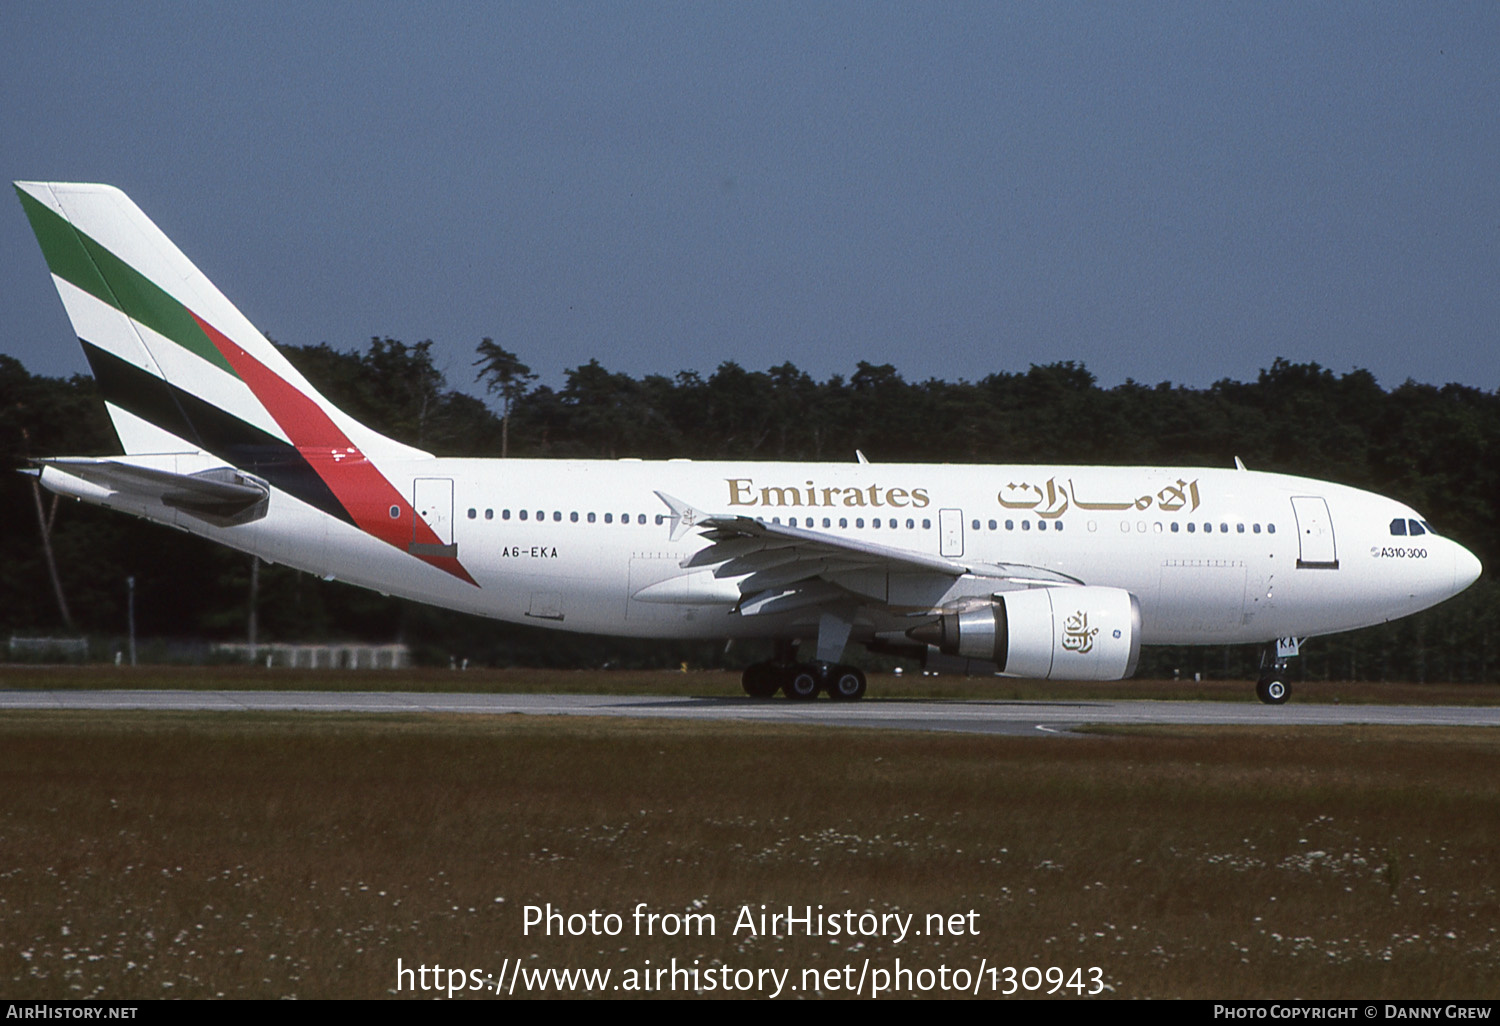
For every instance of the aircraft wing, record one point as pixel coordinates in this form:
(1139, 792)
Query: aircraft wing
(782, 567)
(220, 495)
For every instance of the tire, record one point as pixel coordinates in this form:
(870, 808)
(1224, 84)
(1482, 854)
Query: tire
(802, 684)
(1272, 691)
(759, 680)
(846, 684)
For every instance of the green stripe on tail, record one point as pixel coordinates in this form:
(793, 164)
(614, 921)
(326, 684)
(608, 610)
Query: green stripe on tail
(79, 260)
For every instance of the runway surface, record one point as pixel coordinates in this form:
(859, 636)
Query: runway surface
(969, 716)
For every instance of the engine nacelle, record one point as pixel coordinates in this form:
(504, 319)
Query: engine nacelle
(1084, 633)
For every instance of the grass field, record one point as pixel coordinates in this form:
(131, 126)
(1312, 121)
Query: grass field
(189, 855)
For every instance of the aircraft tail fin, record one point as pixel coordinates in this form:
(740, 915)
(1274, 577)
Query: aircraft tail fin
(181, 369)
(184, 373)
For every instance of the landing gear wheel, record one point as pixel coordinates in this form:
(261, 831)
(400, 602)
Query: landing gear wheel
(801, 684)
(1272, 691)
(846, 684)
(1272, 687)
(759, 680)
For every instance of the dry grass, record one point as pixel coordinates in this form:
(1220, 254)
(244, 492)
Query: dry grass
(145, 854)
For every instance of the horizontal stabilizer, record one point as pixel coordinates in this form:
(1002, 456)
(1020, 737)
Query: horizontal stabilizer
(222, 496)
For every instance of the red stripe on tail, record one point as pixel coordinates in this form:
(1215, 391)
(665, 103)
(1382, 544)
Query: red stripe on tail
(356, 482)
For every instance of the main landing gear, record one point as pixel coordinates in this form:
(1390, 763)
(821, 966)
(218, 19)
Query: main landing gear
(803, 681)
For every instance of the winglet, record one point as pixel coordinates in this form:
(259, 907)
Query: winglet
(684, 517)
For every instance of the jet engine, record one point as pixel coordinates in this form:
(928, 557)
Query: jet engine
(1065, 633)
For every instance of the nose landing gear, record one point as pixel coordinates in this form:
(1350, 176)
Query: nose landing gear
(1272, 687)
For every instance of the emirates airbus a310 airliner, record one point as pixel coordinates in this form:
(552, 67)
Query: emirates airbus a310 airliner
(1053, 572)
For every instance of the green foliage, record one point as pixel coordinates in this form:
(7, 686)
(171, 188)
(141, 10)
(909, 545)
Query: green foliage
(1433, 447)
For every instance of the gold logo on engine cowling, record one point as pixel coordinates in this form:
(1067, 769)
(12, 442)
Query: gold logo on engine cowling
(1078, 636)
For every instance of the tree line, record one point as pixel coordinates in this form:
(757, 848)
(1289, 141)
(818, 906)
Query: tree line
(1430, 446)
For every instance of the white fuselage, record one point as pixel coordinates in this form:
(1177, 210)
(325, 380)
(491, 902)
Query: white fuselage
(1213, 556)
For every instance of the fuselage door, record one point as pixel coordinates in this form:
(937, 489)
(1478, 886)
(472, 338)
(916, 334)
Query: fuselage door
(1315, 545)
(951, 532)
(432, 497)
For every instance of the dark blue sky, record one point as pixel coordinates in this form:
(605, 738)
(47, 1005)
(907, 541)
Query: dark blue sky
(1162, 191)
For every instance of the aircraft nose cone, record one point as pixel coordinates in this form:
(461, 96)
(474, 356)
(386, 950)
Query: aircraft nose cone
(1466, 568)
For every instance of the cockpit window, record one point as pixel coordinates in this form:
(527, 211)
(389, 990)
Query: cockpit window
(1398, 526)
(1413, 527)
